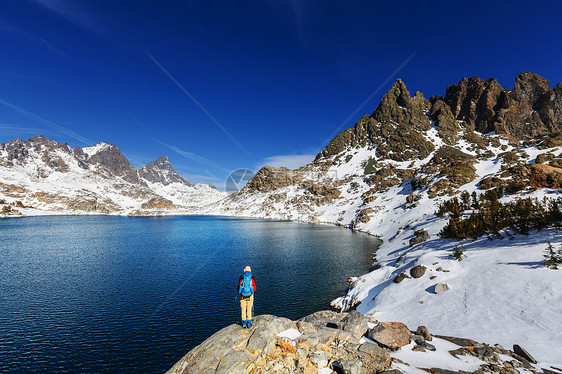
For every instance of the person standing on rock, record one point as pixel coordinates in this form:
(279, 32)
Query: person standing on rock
(246, 289)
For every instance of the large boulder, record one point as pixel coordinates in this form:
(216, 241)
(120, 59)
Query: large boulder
(206, 357)
(420, 236)
(440, 287)
(523, 353)
(233, 348)
(423, 331)
(355, 323)
(390, 334)
(417, 271)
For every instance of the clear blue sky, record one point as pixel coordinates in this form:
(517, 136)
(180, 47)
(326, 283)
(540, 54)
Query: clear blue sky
(274, 79)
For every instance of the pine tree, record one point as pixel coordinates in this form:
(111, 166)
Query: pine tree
(458, 253)
(552, 258)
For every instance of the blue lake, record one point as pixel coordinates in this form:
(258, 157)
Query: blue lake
(93, 294)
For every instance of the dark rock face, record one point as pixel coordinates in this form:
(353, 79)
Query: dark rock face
(161, 171)
(111, 159)
(445, 121)
(531, 109)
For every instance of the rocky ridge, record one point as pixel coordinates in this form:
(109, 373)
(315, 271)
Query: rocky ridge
(348, 343)
(41, 176)
(434, 145)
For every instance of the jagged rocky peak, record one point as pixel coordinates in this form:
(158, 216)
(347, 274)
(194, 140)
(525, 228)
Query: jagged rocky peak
(529, 86)
(531, 109)
(398, 106)
(14, 151)
(110, 159)
(161, 171)
(39, 140)
(394, 129)
(19, 152)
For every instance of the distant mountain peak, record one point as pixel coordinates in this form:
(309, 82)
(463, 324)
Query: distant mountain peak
(161, 171)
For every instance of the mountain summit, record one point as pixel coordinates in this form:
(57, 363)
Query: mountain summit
(161, 171)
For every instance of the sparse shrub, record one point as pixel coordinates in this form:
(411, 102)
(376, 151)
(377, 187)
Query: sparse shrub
(513, 186)
(458, 253)
(2, 201)
(510, 157)
(552, 258)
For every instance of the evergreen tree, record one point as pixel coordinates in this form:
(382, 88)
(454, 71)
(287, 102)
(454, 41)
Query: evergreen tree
(552, 258)
(458, 253)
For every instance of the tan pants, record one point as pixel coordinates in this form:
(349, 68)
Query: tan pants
(246, 304)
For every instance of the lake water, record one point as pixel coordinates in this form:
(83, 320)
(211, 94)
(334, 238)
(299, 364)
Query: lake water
(93, 294)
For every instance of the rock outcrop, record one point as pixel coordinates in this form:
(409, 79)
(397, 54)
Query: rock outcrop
(323, 339)
(335, 343)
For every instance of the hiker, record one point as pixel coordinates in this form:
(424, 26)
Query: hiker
(246, 289)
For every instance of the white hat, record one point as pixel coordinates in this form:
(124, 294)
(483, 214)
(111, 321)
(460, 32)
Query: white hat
(248, 268)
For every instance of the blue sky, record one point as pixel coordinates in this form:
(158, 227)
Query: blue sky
(222, 85)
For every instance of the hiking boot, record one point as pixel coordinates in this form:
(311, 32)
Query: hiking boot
(244, 323)
(249, 323)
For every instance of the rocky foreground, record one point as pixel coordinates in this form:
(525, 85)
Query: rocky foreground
(350, 343)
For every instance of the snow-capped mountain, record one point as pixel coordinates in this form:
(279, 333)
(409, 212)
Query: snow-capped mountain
(388, 176)
(41, 176)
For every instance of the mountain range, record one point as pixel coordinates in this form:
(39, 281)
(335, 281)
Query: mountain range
(388, 175)
(41, 176)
